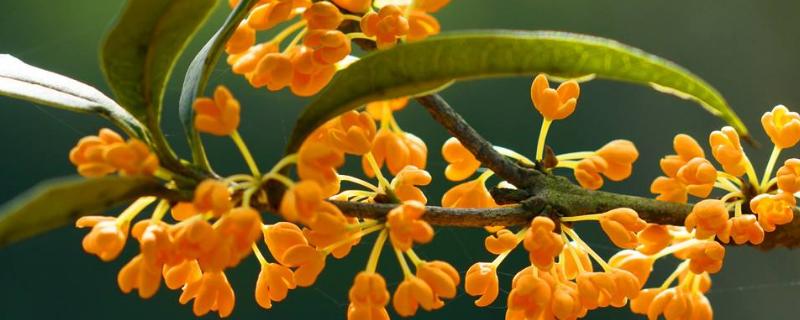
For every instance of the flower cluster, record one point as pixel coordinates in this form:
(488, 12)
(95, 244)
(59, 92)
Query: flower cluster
(107, 153)
(319, 48)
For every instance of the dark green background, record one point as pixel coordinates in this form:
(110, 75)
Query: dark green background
(747, 49)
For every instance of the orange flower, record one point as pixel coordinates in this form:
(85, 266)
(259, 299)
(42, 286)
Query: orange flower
(412, 293)
(503, 241)
(376, 109)
(530, 295)
(742, 229)
(706, 256)
(554, 104)
(642, 302)
(193, 237)
(460, 162)
(318, 161)
(653, 238)
(773, 209)
(566, 301)
(181, 274)
(678, 303)
(323, 15)
(211, 293)
(669, 189)
(421, 25)
(588, 170)
(542, 243)
(273, 284)
(709, 217)
(107, 237)
(136, 274)
(156, 244)
(89, 154)
(235, 233)
(330, 220)
(634, 262)
(330, 46)
(596, 289)
(355, 6)
(275, 71)
(406, 182)
(405, 225)
(621, 226)
(442, 278)
(782, 126)
(322, 239)
(368, 297)
(575, 259)
(97, 156)
(183, 210)
(471, 194)
(789, 176)
(394, 149)
(288, 245)
(619, 156)
(699, 176)
(352, 132)
(727, 149)
(219, 116)
(481, 280)
(246, 62)
(267, 15)
(386, 25)
(309, 76)
(242, 39)
(301, 201)
(212, 196)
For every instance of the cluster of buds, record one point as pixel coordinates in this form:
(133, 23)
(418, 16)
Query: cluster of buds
(107, 153)
(308, 62)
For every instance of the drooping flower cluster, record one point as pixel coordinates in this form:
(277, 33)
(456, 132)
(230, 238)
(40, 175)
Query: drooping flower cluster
(319, 48)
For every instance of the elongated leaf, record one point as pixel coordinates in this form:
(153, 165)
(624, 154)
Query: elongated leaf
(415, 68)
(196, 79)
(22, 81)
(140, 51)
(59, 202)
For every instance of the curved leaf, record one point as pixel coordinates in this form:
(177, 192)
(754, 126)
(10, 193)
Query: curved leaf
(196, 79)
(59, 202)
(141, 50)
(22, 81)
(410, 69)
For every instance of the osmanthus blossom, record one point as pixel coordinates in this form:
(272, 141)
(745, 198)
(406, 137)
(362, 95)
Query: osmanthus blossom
(207, 235)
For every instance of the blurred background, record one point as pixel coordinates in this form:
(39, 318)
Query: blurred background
(746, 49)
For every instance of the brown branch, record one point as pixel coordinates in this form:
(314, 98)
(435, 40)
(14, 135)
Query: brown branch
(482, 149)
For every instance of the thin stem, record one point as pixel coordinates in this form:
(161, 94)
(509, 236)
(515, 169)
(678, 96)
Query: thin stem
(414, 257)
(359, 35)
(237, 139)
(675, 248)
(567, 164)
(403, 263)
(328, 249)
(727, 183)
(375, 254)
(680, 269)
(542, 136)
(351, 17)
(285, 161)
(725, 187)
(585, 217)
(296, 39)
(730, 177)
(258, 254)
(773, 158)
(160, 211)
(280, 178)
(248, 194)
(751, 172)
(731, 195)
(738, 208)
(485, 176)
(358, 181)
(575, 155)
(278, 38)
(586, 247)
(134, 209)
(513, 155)
(377, 170)
(164, 174)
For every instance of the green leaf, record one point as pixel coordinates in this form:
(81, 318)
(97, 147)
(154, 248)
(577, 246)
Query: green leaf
(411, 69)
(196, 79)
(59, 202)
(140, 52)
(22, 81)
